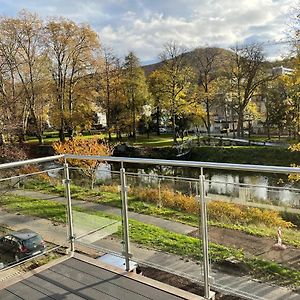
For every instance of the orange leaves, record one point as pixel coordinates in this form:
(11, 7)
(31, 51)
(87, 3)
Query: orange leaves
(82, 147)
(167, 198)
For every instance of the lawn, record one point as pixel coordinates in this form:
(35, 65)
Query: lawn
(162, 140)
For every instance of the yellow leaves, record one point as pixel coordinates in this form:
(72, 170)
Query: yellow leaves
(295, 147)
(252, 109)
(240, 214)
(294, 177)
(217, 210)
(82, 147)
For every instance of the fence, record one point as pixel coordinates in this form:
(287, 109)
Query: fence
(139, 216)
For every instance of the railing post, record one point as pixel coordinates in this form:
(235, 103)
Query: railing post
(124, 190)
(207, 293)
(71, 236)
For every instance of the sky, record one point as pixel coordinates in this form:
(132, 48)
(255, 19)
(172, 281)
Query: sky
(145, 26)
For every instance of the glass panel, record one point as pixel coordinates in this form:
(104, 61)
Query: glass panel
(253, 228)
(33, 213)
(164, 219)
(96, 209)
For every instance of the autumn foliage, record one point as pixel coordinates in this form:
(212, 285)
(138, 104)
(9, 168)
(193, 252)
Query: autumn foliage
(218, 211)
(83, 147)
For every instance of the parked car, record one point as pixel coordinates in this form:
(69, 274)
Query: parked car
(22, 244)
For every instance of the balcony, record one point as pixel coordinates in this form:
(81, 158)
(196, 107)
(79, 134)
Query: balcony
(210, 228)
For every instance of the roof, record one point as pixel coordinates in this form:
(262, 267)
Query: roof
(23, 234)
(81, 277)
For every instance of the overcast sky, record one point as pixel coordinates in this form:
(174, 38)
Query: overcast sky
(144, 26)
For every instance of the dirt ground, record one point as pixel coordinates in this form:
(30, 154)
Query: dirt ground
(181, 283)
(252, 245)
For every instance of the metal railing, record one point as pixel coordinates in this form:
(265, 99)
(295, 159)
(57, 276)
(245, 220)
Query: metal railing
(201, 196)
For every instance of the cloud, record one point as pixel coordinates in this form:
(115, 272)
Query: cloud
(144, 26)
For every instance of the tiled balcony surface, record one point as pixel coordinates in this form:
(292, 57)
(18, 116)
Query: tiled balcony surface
(81, 277)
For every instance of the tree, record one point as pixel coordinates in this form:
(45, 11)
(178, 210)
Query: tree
(11, 106)
(31, 67)
(83, 147)
(277, 105)
(177, 76)
(206, 75)
(23, 71)
(135, 87)
(156, 83)
(109, 74)
(72, 51)
(246, 75)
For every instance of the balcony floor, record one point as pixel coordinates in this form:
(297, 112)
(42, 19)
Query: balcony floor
(80, 277)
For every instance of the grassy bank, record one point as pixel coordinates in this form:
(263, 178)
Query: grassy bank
(246, 155)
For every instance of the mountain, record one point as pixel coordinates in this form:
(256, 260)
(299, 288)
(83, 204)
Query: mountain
(225, 54)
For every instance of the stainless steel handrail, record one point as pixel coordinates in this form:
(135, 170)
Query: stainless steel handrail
(193, 164)
(30, 161)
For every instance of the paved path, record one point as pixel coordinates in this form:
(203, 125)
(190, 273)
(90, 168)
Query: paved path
(166, 224)
(250, 288)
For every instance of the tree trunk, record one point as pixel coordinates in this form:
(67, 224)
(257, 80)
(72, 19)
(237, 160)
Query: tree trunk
(2, 139)
(61, 135)
(240, 129)
(208, 117)
(174, 128)
(158, 120)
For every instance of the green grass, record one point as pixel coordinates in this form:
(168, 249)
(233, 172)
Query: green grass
(34, 207)
(291, 236)
(179, 244)
(159, 239)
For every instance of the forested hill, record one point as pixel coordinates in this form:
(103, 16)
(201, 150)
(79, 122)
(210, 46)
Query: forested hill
(191, 57)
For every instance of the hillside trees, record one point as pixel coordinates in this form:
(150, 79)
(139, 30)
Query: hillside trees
(72, 51)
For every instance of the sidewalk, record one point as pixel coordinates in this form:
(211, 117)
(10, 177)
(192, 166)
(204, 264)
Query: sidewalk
(251, 289)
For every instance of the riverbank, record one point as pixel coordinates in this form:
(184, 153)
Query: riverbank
(258, 155)
(232, 154)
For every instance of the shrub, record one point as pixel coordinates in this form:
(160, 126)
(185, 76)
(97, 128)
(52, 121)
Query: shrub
(217, 210)
(244, 215)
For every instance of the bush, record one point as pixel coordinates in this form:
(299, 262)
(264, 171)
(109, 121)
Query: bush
(291, 217)
(217, 210)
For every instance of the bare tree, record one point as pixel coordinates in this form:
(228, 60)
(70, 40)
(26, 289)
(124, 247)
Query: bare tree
(109, 72)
